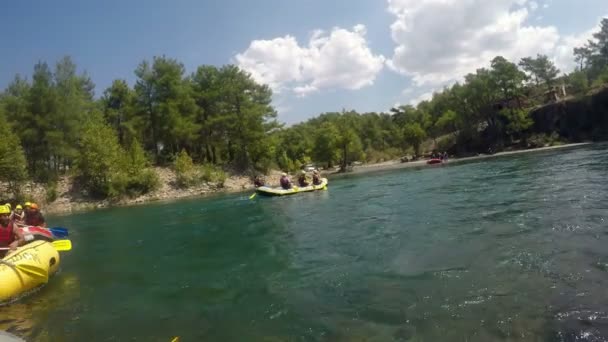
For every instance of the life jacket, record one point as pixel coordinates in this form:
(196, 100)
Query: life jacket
(17, 217)
(7, 235)
(302, 180)
(36, 233)
(316, 180)
(34, 219)
(285, 183)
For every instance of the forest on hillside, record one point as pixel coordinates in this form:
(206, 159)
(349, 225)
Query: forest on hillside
(218, 118)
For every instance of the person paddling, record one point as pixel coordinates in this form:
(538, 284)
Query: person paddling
(302, 180)
(285, 181)
(8, 236)
(258, 181)
(18, 215)
(33, 216)
(316, 177)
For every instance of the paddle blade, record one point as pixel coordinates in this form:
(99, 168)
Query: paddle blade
(62, 245)
(252, 196)
(59, 232)
(175, 339)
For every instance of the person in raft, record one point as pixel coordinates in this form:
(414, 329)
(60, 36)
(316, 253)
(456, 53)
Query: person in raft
(8, 236)
(258, 181)
(316, 177)
(33, 216)
(302, 179)
(18, 215)
(285, 182)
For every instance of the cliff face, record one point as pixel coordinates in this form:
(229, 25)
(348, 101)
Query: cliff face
(577, 119)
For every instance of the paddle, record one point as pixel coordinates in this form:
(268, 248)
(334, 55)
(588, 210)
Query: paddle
(31, 270)
(59, 232)
(59, 245)
(62, 245)
(252, 196)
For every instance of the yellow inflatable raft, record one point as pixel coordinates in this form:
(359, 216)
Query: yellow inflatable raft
(27, 268)
(268, 191)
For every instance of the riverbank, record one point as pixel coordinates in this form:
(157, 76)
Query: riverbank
(397, 164)
(69, 199)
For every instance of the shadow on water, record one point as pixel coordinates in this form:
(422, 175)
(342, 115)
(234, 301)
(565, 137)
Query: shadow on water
(512, 248)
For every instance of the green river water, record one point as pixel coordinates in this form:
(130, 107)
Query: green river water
(506, 249)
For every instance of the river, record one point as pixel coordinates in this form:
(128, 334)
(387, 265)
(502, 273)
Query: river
(511, 248)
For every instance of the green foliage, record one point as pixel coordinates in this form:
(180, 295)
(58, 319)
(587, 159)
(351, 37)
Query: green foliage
(118, 105)
(164, 105)
(188, 174)
(375, 156)
(100, 158)
(601, 78)
(540, 68)
(518, 121)
(106, 169)
(578, 82)
(184, 169)
(212, 174)
(220, 117)
(12, 158)
(51, 192)
(144, 181)
(447, 122)
(326, 144)
(139, 177)
(543, 140)
(414, 135)
(506, 77)
(593, 57)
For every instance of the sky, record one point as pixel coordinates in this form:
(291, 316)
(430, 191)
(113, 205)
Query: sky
(317, 55)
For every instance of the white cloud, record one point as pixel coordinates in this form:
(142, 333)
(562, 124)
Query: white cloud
(422, 97)
(339, 59)
(533, 5)
(563, 55)
(439, 41)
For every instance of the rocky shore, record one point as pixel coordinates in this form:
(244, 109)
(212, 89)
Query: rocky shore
(71, 200)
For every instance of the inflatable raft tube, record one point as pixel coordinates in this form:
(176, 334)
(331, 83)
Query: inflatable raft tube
(14, 282)
(268, 191)
(434, 161)
(6, 337)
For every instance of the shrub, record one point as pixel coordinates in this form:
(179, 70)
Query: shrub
(543, 140)
(51, 192)
(184, 170)
(188, 174)
(212, 174)
(106, 169)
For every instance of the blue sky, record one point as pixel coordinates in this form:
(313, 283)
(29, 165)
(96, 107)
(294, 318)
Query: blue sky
(353, 63)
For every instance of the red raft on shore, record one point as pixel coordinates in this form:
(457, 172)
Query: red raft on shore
(434, 161)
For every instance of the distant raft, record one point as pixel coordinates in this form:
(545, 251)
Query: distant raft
(268, 191)
(434, 161)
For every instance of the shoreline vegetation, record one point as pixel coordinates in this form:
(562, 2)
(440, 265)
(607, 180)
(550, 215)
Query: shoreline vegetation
(69, 202)
(174, 134)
